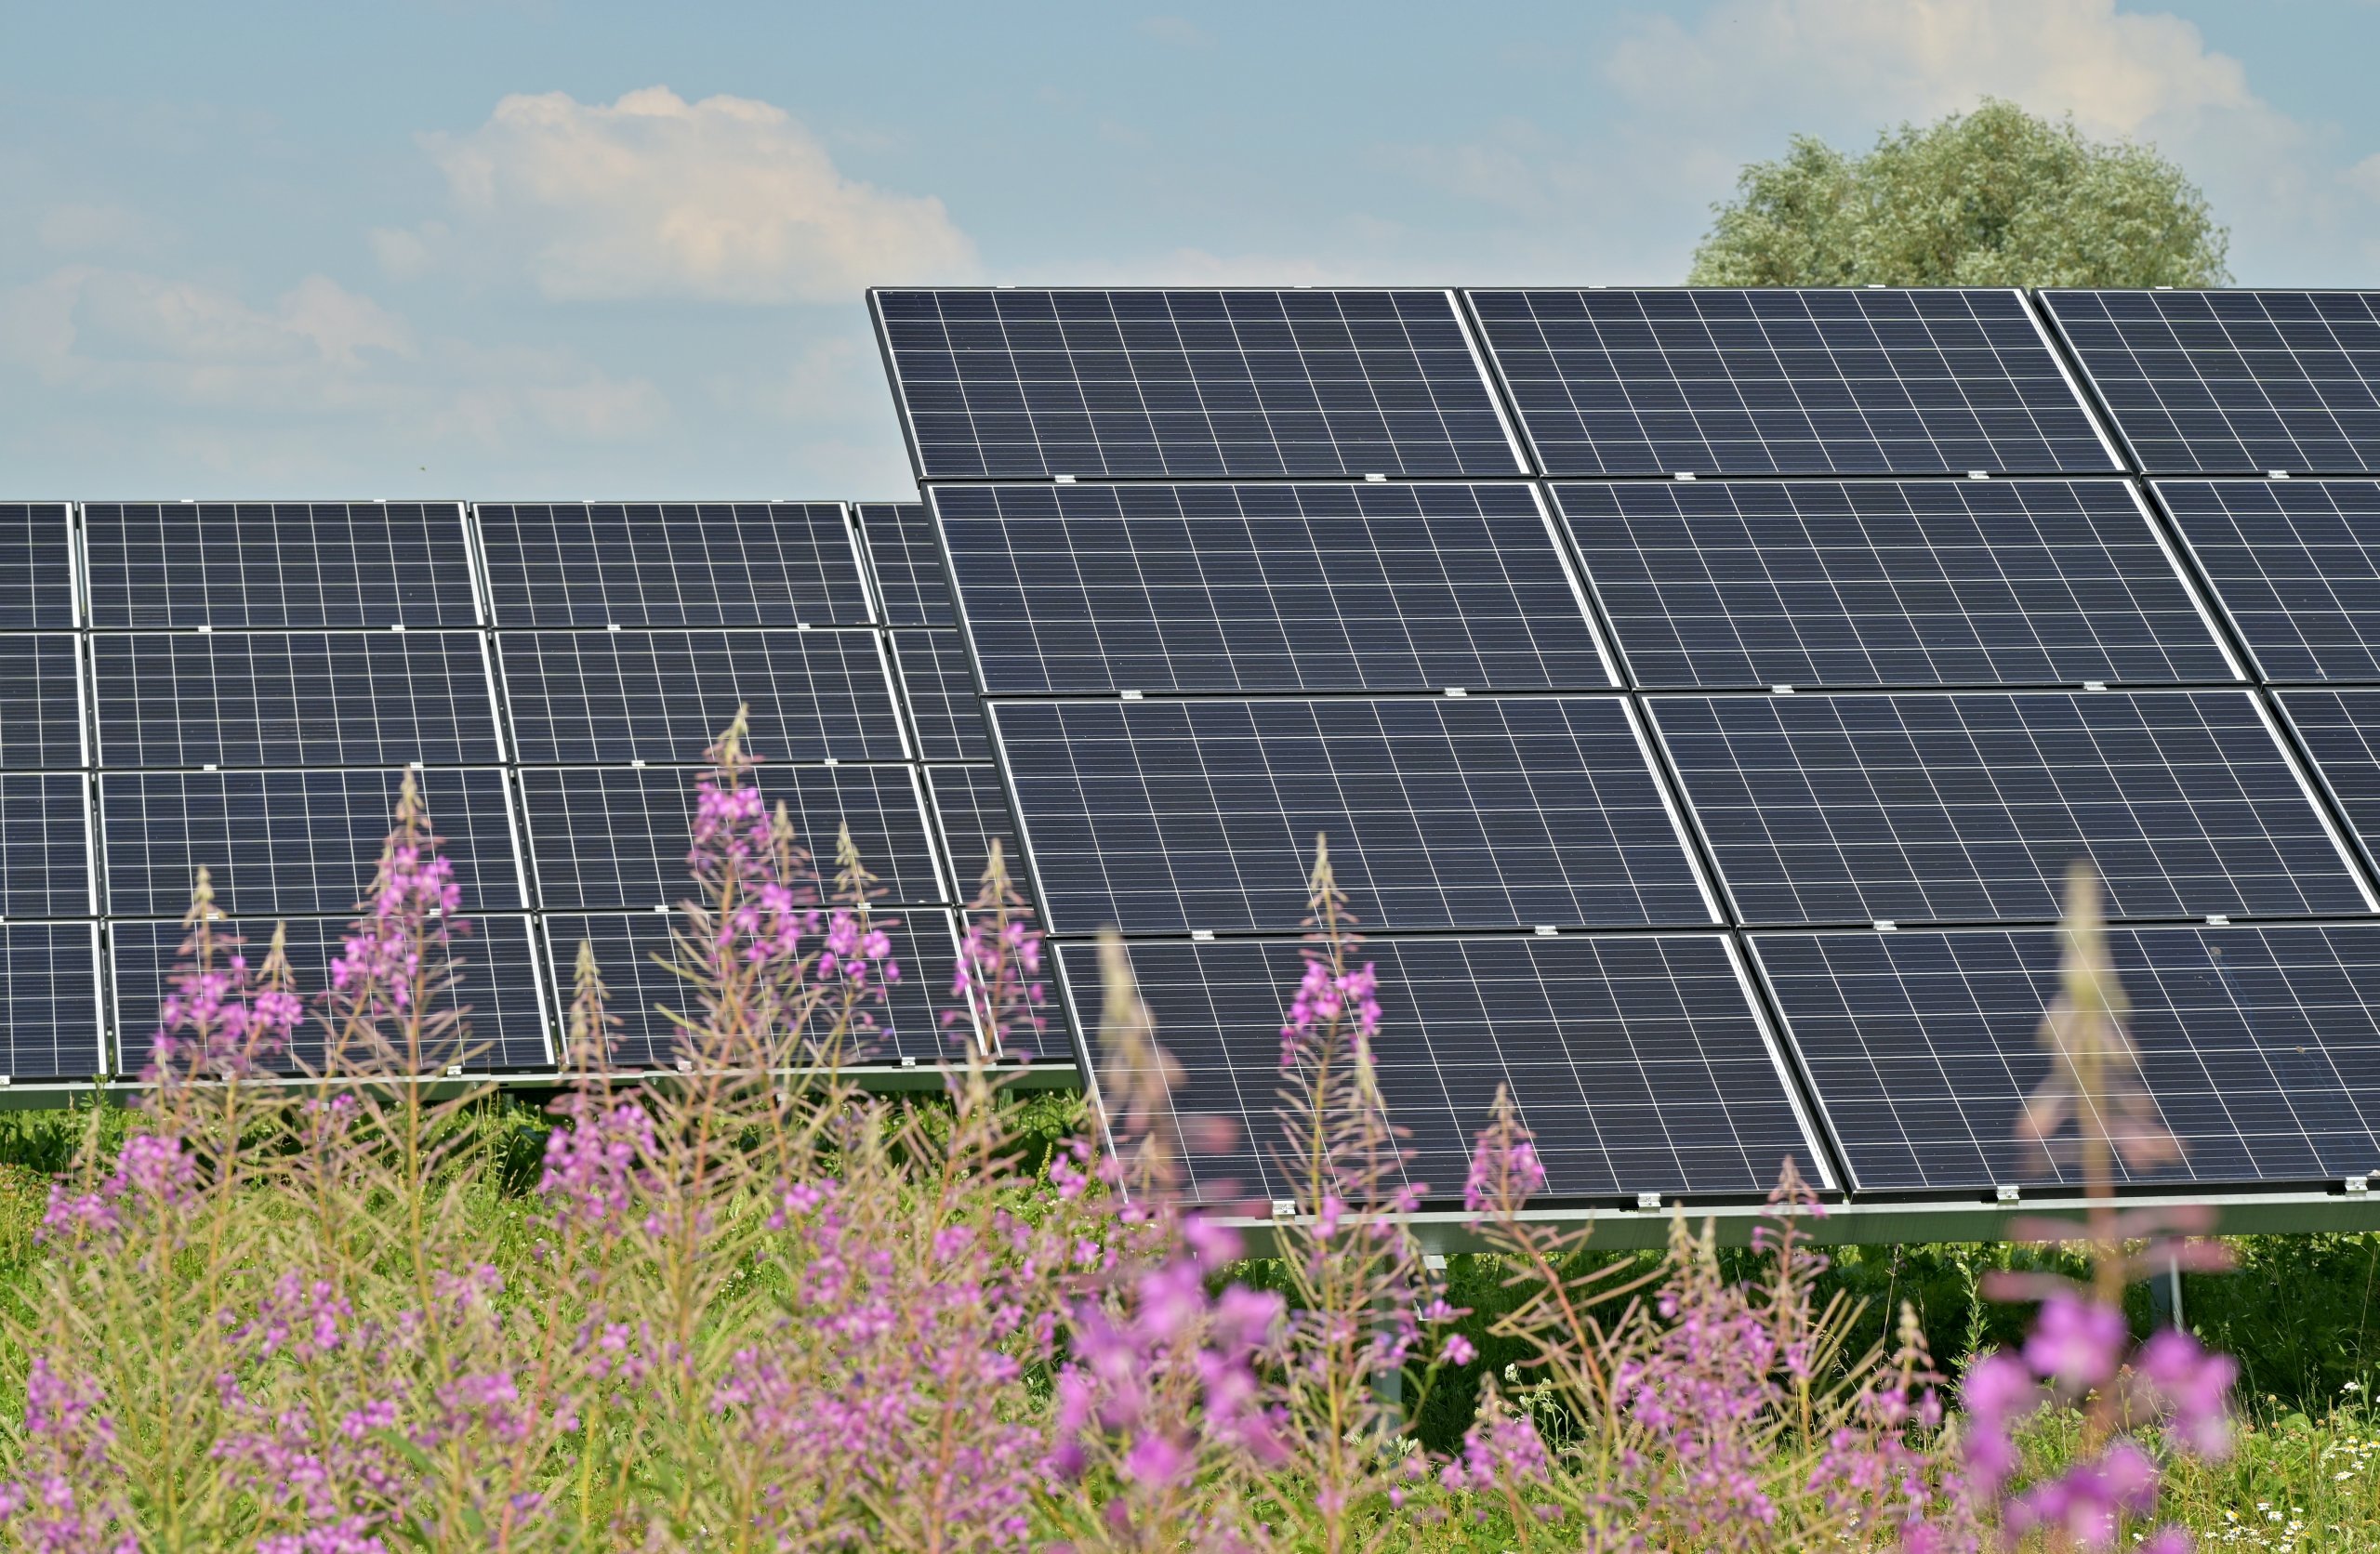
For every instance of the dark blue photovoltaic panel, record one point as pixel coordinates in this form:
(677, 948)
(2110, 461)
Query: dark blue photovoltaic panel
(1712, 586)
(906, 1022)
(1266, 587)
(971, 810)
(1180, 383)
(2259, 1046)
(49, 1001)
(1636, 1060)
(2295, 563)
(44, 846)
(619, 696)
(500, 994)
(292, 842)
(1971, 808)
(2341, 732)
(1821, 382)
(265, 565)
(343, 698)
(906, 564)
(1441, 812)
(2233, 382)
(682, 563)
(36, 567)
(41, 705)
(940, 688)
(618, 836)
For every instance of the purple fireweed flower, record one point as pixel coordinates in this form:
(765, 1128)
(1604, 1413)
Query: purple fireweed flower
(2193, 1386)
(1323, 999)
(591, 1164)
(2076, 1342)
(1503, 1170)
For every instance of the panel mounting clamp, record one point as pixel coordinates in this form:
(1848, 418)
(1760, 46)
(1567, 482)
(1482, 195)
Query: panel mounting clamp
(2353, 1184)
(1375, 480)
(1064, 480)
(1202, 936)
(1978, 474)
(2004, 1195)
(1683, 475)
(1648, 1202)
(1547, 930)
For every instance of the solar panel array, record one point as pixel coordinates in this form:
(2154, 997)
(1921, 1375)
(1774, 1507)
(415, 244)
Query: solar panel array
(1707, 773)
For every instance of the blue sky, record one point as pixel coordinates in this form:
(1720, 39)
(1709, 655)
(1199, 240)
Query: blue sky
(544, 248)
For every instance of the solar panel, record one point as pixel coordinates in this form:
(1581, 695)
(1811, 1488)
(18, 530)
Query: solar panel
(906, 564)
(940, 688)
(691, 564)
(617, 836)
(1968, 808)
(2233, 382)
(36, 567)
(1638, 1060)
(1267, 588)
(2341, 731)
(1442, 812)
(49, 1001)
(1712, 585)
(283, 842)
(44, 846)
(345, 698)
(906, 1023)
(500, 991)
(2260, 1047)
(278, 564)
(1181, 384)
(1819, 382)
(2295, 564)
(970, 810)
(41, 702)
(619, 696)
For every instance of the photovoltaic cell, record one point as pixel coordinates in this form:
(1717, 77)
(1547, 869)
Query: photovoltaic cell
(620, 696)
(970, 811)
(1819, 382)
(49, 1001)
(41, 705)
(499, 992)
(1179, 384)
(681, 564)
(2233, 382)
(941, 691)
(2297, 563)
(2341, 729)
(1377, 587)
(2259, 1046)
(337, 698)
(37, 568)
(1440, 812)
(906, 1022)
(1636, 1060)
(1917, 582)
(618, 836)
(906, 564)
(293, 842)
(1970, 808)
(44, 846)
(266, 565)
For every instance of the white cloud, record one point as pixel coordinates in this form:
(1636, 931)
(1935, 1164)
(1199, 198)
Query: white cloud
(727, 200)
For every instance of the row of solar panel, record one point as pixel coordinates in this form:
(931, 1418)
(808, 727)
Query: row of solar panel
(1177, 384)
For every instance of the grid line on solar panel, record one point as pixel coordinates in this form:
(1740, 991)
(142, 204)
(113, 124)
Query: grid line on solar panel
(906, 564)
(940, 688)
(1713, 585)
(2297, 566)
(41, 702)
(294, 842)
(2341, 731)
(671, 564)
(1371, 587)
(49, 1001)
(501, 992)
(45, 845)
(269, 565)
(603, 837)
(612, 697)
(1470, 812)
(971, 808)
(906, 1022)
(1815, 382)
(274, 699)
(1969, 807)
(37, 568)
(2233, 382)
(1638, 1061)
(1184, 383)
(2259, 1046)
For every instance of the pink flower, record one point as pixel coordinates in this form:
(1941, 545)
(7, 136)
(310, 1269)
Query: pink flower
(2076, 1342)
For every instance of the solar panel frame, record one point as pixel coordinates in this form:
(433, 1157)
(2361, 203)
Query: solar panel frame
(51, 1019)
(1187, 383)
(725, 563)
(1900, 584)
(1293, 588)
(2293, 565)
(42, 589)
(279, 565)
(2020, 802)
(938, 687)
(1693, 411)
(905, 562)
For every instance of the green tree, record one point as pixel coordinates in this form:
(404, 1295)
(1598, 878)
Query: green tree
(1997, 197)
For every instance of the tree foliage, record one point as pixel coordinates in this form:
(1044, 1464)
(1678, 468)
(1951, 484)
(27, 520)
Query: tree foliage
(1997, 197)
